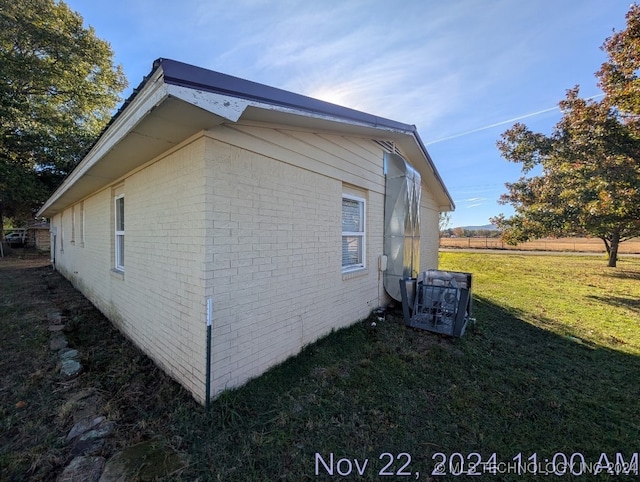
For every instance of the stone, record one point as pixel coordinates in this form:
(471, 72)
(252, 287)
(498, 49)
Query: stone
(85, 404)
(68, 354)
(87, 447)
(83, 426)
(102, 430)
(58, 342)
(70, 368)
(83, 469)
(56, 327)
(145, 461)
(54, 317)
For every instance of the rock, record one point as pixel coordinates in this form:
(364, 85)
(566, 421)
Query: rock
(145, 461)
(68, 353)
(56, 327)
(70, 368)
(83, 426)
(58, 342)
(88, 436)
(87, 447)
(54, 317)
(83, 469)
(81, 405)
(102, 430)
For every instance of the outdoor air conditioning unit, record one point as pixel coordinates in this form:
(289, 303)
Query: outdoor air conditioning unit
(438, 301)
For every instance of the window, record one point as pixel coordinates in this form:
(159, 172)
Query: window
(62, 232)
(119, 233)
(353, 239)
(73, 225)
(81, 219)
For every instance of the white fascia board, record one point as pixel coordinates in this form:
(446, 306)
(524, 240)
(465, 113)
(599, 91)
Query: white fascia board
(232, 108)
(448, 205)
(152, 94)
(326, 117)
(225, 106)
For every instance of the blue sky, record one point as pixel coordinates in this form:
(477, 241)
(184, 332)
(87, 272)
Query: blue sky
(462, 71)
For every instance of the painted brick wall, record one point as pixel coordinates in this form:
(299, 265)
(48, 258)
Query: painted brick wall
(247, 215)
(159, 301)
(275, 254)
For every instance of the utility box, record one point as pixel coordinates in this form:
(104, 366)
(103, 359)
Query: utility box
(438, 301)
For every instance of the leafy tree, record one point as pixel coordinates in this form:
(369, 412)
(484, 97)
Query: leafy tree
(583, 179)
(619, 75)
(58, 87)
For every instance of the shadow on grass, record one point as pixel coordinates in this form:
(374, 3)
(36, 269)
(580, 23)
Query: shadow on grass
(627, 274)
(632, 304)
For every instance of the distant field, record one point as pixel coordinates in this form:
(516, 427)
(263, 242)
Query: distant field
(582, 245)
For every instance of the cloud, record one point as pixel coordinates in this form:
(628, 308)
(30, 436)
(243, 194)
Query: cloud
(376, 59)
(451, 68)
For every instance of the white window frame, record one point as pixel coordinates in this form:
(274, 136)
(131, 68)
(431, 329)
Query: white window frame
(361, 234)
(118, 251)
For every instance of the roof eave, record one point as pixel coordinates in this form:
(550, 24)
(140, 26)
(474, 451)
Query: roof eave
(199, 99)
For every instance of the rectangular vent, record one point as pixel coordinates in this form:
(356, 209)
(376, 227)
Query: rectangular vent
(388, 146)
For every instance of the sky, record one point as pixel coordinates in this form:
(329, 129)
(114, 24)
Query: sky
(462, 71)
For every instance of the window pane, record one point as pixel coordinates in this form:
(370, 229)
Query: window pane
(120, 214)
(120, 251)
(351, 250)
(352, 215)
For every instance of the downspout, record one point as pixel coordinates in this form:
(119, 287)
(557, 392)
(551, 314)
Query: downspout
(208, 366)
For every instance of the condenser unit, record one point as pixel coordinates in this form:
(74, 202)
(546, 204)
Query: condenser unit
(438, 301)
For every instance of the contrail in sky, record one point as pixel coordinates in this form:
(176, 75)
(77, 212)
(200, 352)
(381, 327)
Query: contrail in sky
(497, 124)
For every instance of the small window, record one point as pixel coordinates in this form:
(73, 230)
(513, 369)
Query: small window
(81, 220)
(353, 229)
(73, 225)
(119, 233)
(62, 232)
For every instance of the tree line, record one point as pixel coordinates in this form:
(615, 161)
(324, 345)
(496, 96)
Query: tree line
(470, 233)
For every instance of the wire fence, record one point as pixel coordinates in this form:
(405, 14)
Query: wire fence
(576, 245)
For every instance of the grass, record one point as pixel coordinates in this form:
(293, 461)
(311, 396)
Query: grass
(551, 366)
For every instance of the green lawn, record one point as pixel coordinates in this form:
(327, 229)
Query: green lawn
(550, 368)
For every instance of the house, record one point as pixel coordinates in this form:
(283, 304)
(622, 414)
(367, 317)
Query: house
(212, 204)
(38, 236)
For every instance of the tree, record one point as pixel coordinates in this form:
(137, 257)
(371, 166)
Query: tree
(58, 87)
(618, 77)
(587, 178)
(444, 219)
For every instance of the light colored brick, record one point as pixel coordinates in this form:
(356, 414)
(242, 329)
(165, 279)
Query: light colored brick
(259, 235)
